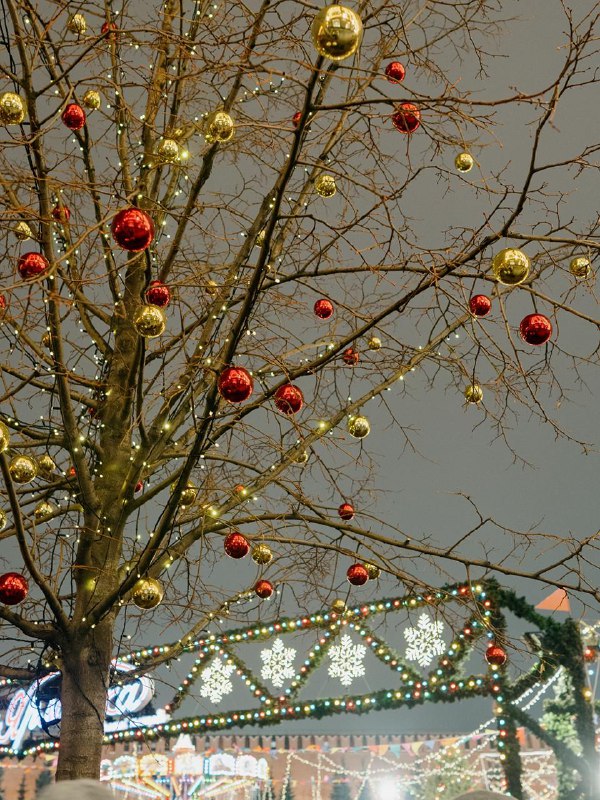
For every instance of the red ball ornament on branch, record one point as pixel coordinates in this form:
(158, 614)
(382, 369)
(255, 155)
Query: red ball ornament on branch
(236, 545)
(132, 229)
(480, 305)
(296, 118)
(407, 119)
(73, 116)
(61, 214)
(357, 575)
(346, 511)
(496, 656)
(395, 72)
(535, 329)
(324, 308)
(590, 653)
(110, 28)
(264, 589)
(235, 384)
(289, 399)
(138, 487)
(158, 294)
(350, 357)
(31, 265)
(3, 302)
(13, 588)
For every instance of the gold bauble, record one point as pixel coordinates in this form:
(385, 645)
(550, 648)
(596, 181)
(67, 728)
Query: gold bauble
(211, 288)
(23, 231)
(12, 109)
(580, 267)
(2, 519)
(325, 185)
(168, 150)
(4, 437)
(261, 554)
(474, 393)
(218, 127)
(511, 266)
(43, 510)
(260, 238)
(150, 321)
(464, 162)
(46, 465)
(373, 571)
(336, 32)
(47, 340)
(147, 593)
(339, 606)
(23, 469)
(359, 427)
(188, 494)
(92, 99)
(302, 457)
(77, 24)
(374, 343)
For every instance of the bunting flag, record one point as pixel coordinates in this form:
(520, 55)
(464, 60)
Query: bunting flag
(557, 601)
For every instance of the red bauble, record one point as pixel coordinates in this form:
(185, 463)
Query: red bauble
(296, 118)
(13, 588)
(3, 303)
(235, 384)
(73, 116)
(357, 575)
(535, 329)
(395, 72)
(350, 357)
(61, 214)
(132, 229)
(158, 294)
(30, 265)
(236, 545)
(138, 487)
(407, 119)
(495, 655)
(289, 399)
(346, 511)
(109, 26)
(480, 305)
(590, 653)
(324, 308)
(264, 589)
(71, 472)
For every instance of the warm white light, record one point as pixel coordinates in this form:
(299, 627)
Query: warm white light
(388, 788)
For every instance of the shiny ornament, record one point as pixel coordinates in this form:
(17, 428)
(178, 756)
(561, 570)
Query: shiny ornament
(132, 229)
(61, 214)
(511, 266)
(158, 294)
(407, 118)
(13, 588)
(289, 399)
(260, 238)
(474, 393)
(336, 32)
(32, 265)
(324, 308)
(149, 321)
(264, 589)
(535, 329)
(3, 519)
(325, 185)
(350, 357)
(374, 343)
(359, 427)
(47, 340)
(44, 510)
(4, 437)
(580, 267)
(395, 72)
(3, 303)
(236, 545)
(12, 109)
(235, 384)
(71, 472)
(480, 305)
(147, 593)
(77, 24)
(357, 575)
(302, 457)
(373, 571)
(495, 655)
(23, 469)
(338, 606)
(168, 150)
(464, 162)
(296, 118)
(92, 100)
(23, 231)
(46, 465)
(346, 511)
(589, 652)
(188, 494)
(261, 554)
(73, 117)
(138, 487)
(109, 28)
(218, 127)
(211, 288)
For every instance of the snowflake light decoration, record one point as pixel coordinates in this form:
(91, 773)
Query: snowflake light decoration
(277, 663)
(347, 660)
(215, 680)
(424, 641)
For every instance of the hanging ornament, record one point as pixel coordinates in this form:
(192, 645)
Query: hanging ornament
(260, 238)
(218, 127)
(46, 465)
(47, 340)
(147, 593)
(302, 457)
(580, 267)
(3, 303)
(289, 399)
(188, 494)
(464, 162)
(235, 384)
(3, 519)
(12, 109)
(374, 343)
(474, 393)
(535, 329)
(338, 606)
(132, 229)
(424, 640)
(109, 28)
(346, 511)
(32, 265)
(211, 288)
(264, 589)
(407, 118)
(373, 571)
(589, 653)
(336, 32)
(43, 511)
(480, 305)
(511, 266)
(357, 575)
(395, 72)
(323, 308)
(71, 472)
(359, 427)
(13, 588)
(138, 487)
(149, 321)
(92, 100)
(296, 118)
(158, 294)
(496, 656)
(61, 214)
(261, 554)
(77, 24)
(325, 185)
(278, 663)
(73, 117)
(23, 469)
(168, 150)
(236, 545)
(4, 437)
(22, 231)
(350, 357)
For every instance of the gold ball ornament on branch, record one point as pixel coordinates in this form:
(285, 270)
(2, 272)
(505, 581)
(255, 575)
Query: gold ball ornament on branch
(359, 427)
(262, 554)
(150, 321)
(147, 593)
(12, 109)
(302, 457)
(168, 150)
(23, 469)
(23, 231)
(4, 437)
(77, 24)
(3, 519)
(188, 494)
(338, 606)
(464, 162)
(580, 267)
(373, 571)
(43, 511)
(325, 186)
(46, 465)
(92, 100)
(218, 127)
(474, 394)
(511, 266)
(336, 32)
(374, 343)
